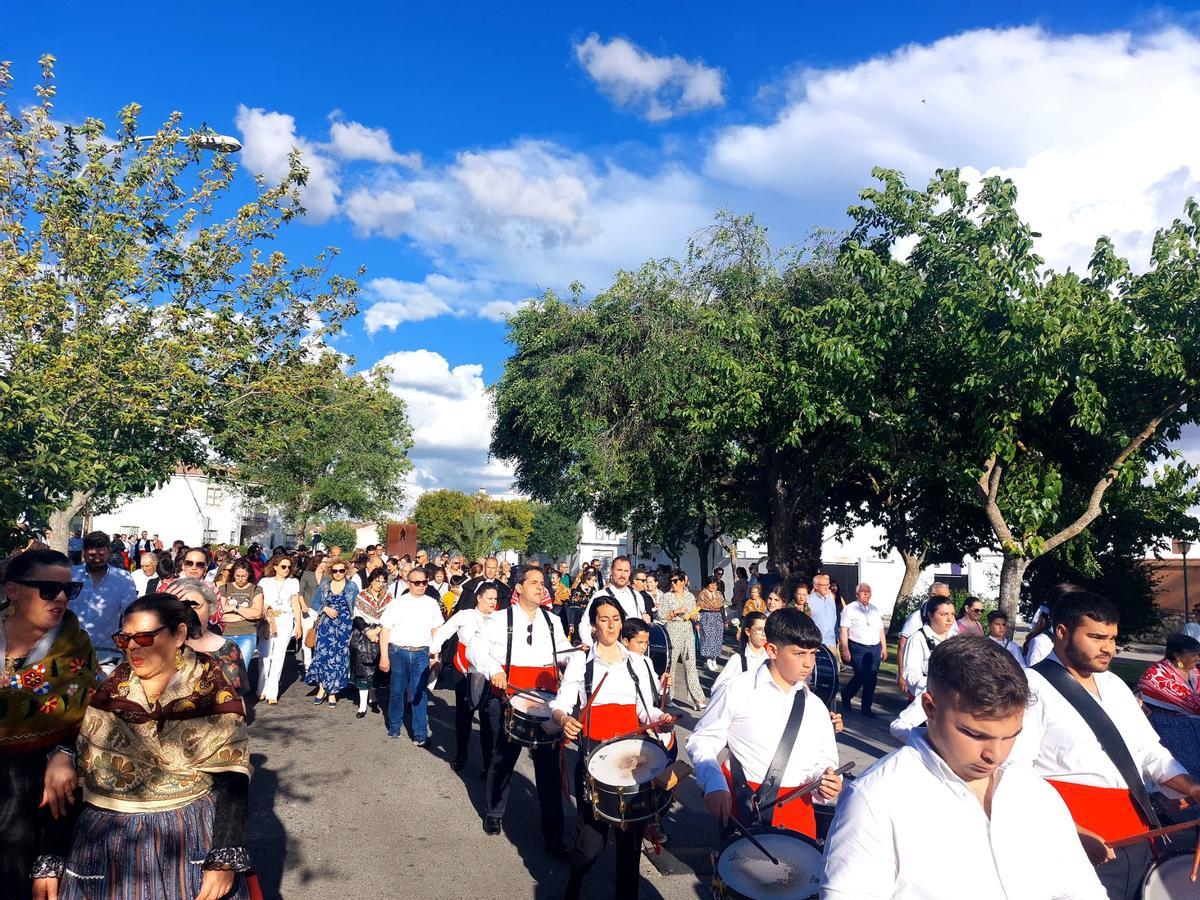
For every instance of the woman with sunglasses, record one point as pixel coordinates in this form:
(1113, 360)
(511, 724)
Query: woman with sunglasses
(165, 766)
(331, 656)
(676, 611)
(283, 609)
(47, 673)
(202, 599)
(242, 609)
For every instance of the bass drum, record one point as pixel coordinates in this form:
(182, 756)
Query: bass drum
(1171, 879)
(823, 681)
(660, 649)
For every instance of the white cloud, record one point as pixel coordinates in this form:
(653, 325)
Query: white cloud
(355, 141)
(398, 301)
(268, 138)
(1089, 128)
(452, 422)
(383, 212)
(656, 87)
(499, 310)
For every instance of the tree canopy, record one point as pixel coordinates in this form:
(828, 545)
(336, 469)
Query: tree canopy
(473, 524)
(555, 532)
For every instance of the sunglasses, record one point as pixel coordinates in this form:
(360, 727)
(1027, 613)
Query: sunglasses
(415, 581)
(284, 566)
(49, 590)
(121, 640)
(337, 571)
(195, 562)
(529, 636)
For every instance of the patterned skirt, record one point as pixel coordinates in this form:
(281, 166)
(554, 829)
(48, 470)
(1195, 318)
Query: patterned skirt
(1181, 735)
(712, 633)
(141, 856)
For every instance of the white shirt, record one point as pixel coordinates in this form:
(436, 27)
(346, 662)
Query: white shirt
(913, 623)
(140, 580)
(631, 601)
(1039, 648)
(486, 652)
(1011, 646)
(99, 607)
(464, 625)
(880, 844)
(823, 611)
(733, 668)
(916, 658)
(277, 595)
(411, 620)
(618, 688)
(748, 716)
(862, 623)
(1064, 748)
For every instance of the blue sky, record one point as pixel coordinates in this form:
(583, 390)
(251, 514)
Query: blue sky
(471, 156)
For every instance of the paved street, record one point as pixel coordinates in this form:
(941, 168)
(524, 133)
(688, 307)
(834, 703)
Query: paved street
(338, 810)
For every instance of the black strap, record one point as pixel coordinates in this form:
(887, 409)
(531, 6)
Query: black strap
(742, 654)
(585, 742)
(553, 643)
(1105, 731)
(637, 687)
(769, 789)
(508, 652)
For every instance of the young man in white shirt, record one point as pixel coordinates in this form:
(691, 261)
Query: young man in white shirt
(997, 621)
(408, 623)
(1106, 792)
(1012, 834)
(631, 601)
(757, 716)
(864, 646)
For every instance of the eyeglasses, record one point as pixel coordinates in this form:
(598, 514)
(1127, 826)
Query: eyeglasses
(142, 638)
(416, 581)
(283, 567)
(337, 571)
(49, 590)
(198, 563)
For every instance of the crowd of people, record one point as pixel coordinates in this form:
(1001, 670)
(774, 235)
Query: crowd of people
(125, 757)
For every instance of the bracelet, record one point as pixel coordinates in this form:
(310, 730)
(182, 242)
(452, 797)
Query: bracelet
(62, 748)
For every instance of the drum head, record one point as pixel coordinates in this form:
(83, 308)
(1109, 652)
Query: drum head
(823, 681)
(628, 762)
(538, 709)
(660, 649)
(745, 870)
(1171, 879)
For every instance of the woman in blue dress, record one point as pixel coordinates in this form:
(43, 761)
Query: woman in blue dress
(330, 669)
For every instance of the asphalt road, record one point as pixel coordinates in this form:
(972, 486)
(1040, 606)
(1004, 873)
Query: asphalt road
(338, 811)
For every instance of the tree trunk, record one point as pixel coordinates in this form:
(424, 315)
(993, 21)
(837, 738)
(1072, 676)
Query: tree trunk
(1012, 573)
(58, 530)
(793, 541)
(703, 542)
(912, 571)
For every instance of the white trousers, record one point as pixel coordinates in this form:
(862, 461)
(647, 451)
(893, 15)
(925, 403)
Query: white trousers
(308, 621)
(271, 653)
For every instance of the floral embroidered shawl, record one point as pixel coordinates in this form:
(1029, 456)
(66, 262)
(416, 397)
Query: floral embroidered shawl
(135, 757)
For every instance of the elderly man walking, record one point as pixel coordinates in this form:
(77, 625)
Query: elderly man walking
(864, 646)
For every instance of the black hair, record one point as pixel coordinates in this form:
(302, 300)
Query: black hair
(242, 563)
(378, 572)
(617, 559)
(931, 606)
(983, 677)
(171, 611)
(204, 550)
(1179, 644)
(632, 628)
(748, 620)
(604, 600)
(996, 614)
(788, 627)
(678, 575)
(96, 539)
(962, 610)
(165, 567)
(1073, 606)
(22, 565)
(740, 572)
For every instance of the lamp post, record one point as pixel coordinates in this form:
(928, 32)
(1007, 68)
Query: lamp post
(1184, 547)
(217, 143)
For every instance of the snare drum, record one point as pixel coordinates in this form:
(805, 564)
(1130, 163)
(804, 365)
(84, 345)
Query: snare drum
(660, 649)
(620, 780)
(823, 681)
(1171, 879)
(741, 872)
(524, 717)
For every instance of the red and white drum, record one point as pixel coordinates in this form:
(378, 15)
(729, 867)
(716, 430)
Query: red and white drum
(524, 717)
(620, 780)
(1171, 879)
(742, 872)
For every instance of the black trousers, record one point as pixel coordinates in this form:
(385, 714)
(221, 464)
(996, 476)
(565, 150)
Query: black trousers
(1122, 877)
(464, 715)
(865, 659)
(546, 772)
(589, 844)
(25, 830)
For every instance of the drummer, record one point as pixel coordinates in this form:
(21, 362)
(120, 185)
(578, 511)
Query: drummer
(612, 688)
(776, 731)
(632, 601)
(1013, 835)
(519, 648)
(752, 653)
(468, 691)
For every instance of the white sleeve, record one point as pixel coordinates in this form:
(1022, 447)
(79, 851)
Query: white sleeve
(1012, 648)
(445, 631)
(916, 652)
(911, 717)
(1039, 649)
(708, 740)
(482, 647)
(859, 835)
(569, 688)
(562, 643)
(732, 669)
(911, 625)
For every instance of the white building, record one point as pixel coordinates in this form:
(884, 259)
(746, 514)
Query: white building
(195, 509)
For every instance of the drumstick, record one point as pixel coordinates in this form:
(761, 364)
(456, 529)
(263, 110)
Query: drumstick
(1150, 835)
(587, 705)
(813, 785)
(750, 837)
(532, 695)
(1196, 863)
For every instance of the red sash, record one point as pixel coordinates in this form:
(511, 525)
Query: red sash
(460, 659)
(796, 814)
(1108, 812)
(603, 721)
(534, 678)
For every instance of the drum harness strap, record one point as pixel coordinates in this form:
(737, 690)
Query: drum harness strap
(553, 643)
(748, 802)
(589, 672)
(1106, 733)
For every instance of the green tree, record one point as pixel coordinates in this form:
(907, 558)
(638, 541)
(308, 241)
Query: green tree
(439, 515)
(340, 450)
(555, 532)
(477, 534)
(340, 534)
(139, 310)
(1041, 390)
(514, 521)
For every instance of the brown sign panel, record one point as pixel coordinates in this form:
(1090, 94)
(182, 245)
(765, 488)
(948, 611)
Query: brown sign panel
(401, 539)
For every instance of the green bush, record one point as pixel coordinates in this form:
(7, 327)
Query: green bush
(341, 534)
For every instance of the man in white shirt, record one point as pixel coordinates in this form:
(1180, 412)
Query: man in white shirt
(864, 646)
(823, 609)
(1012, 835)
(631, 601)
(407, 626)
(107, 590)
(147, 569)
(751, 716)
(1039, 648)
(1106, 805)
(998, 631)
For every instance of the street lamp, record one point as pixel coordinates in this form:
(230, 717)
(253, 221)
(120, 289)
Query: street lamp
(217, 143)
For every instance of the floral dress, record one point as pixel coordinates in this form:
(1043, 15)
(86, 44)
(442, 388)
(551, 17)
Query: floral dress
(331, 657)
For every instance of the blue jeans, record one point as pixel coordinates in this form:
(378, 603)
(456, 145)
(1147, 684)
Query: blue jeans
(246, 644)
(865, 659)
(409, 678)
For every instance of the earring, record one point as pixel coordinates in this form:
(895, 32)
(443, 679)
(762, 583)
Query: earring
(179, 658)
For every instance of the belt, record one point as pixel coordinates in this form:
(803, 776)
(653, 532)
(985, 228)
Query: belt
(411, 649)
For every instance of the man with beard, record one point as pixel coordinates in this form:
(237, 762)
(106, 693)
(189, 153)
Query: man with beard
(491, 577)
(1093, 744)
(107, 590)
(1012, 834)
(632, 601)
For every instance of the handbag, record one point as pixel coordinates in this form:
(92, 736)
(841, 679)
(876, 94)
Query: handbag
(367, 649)
(310, 639)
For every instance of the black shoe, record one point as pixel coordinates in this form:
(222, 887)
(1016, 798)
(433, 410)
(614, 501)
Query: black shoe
(374, 707)
(869, 715)
(313, 692)
(491, 825)
(457, 764)
(361, 714)
(558, 849)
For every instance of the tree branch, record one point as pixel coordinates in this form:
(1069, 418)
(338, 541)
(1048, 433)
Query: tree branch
(987, 488)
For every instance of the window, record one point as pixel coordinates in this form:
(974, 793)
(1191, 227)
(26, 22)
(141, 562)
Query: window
(212, 497)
